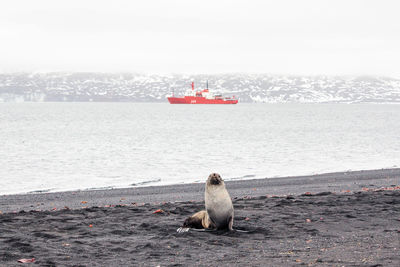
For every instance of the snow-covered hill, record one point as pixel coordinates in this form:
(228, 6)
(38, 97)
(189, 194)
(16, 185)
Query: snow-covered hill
(154, 88)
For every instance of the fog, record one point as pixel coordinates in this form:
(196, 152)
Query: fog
(278, 37)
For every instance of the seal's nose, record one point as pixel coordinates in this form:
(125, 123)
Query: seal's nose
(215, 179)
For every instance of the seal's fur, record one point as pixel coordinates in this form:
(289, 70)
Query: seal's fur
(219, 208)
(218, 203)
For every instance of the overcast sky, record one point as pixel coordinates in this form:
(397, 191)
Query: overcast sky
(172, 36)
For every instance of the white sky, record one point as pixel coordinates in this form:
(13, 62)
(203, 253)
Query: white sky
(182, 36)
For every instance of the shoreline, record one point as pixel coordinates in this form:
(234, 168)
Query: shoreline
(292, 185)
(336, 219)
(360, 225)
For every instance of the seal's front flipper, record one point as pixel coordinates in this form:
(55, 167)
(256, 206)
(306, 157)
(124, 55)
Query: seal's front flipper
(240, 231)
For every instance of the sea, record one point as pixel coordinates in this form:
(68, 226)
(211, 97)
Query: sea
(49, 147)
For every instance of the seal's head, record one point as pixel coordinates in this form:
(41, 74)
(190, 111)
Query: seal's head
(214, 179)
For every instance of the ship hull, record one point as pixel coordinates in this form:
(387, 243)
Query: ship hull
(200, 100)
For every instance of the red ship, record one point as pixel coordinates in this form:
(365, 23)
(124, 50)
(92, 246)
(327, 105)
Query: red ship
(201, 97)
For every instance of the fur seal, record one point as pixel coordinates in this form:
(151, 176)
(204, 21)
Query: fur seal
(218, 203)
(219, 209)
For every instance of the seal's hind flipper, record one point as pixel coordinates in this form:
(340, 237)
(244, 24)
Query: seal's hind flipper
(198, 220)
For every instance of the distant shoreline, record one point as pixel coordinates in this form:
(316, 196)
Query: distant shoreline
(240, 102)
(140, 87)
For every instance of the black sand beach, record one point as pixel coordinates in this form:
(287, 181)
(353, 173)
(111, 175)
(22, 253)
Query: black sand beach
(338, 219)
